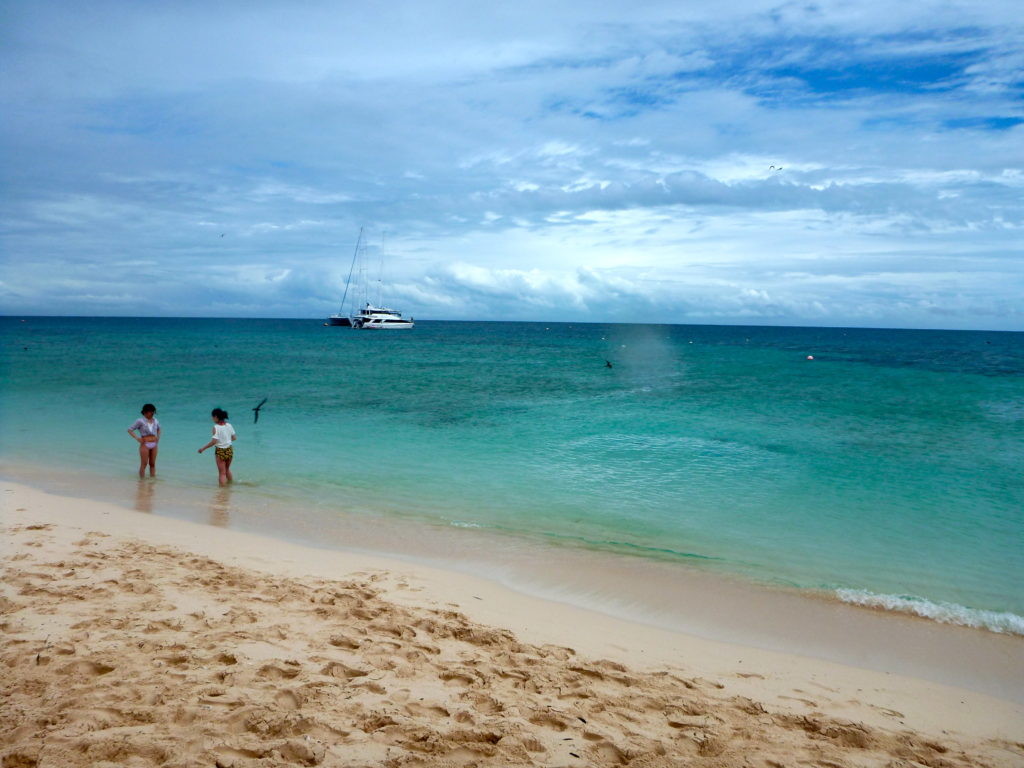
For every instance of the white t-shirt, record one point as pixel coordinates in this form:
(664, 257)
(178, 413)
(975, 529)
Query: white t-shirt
(223, 433)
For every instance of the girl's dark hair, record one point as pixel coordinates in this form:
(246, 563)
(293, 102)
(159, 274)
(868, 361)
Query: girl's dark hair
(148, 407)
(219, 414)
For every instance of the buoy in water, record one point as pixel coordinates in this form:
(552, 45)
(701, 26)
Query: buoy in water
(810, 357)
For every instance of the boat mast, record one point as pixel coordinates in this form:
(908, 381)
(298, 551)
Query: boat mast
(380, 274)
(355, 255)
(364, 284)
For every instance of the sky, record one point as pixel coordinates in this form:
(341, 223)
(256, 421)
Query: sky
(835, 163)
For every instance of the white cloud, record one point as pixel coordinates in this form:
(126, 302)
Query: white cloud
(604, 162)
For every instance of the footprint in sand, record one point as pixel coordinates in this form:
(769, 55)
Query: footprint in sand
(417, 709)
(549, 720)
(287, 700)
(532, 745)
(94, 668)
(289, 670)
(342, 641)
(339, 670)
(458, 677)
(604, 752)
(371, 686)
(487, 705)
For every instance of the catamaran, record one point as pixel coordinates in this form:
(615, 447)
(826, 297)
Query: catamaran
(369, 316)
(377, 318)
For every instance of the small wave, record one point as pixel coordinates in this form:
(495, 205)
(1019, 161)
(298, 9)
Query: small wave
(947, 613)
(601, 545)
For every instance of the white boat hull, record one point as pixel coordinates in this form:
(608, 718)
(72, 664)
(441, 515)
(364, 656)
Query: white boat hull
(388, 327)
(371, 318)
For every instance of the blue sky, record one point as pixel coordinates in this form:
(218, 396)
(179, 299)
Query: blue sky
(832, 163)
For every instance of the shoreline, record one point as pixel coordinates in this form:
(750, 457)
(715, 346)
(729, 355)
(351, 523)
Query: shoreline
(709, 605)
(783, 681)
(135, 639)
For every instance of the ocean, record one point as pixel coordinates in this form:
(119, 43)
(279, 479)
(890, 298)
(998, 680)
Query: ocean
(877, 467)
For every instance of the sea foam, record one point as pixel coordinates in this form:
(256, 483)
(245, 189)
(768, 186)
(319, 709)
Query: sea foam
(947, 613)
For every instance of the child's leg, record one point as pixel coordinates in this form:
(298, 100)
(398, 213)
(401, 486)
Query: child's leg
(222, 469)
(143, 459)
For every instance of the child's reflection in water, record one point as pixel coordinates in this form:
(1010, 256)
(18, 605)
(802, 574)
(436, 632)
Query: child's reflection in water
(220, 507)
(144, 495)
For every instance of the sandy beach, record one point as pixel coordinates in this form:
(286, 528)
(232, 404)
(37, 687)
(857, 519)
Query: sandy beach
(136, 640)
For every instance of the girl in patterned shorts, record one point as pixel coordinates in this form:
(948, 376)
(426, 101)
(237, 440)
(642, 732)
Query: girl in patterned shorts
(223, 436)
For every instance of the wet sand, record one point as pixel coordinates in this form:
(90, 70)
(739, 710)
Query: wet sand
(133, 639)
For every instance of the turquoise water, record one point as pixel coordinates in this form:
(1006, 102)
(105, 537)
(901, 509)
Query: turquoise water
(887, 470)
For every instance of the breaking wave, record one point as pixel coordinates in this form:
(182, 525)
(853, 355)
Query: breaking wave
(947, 613)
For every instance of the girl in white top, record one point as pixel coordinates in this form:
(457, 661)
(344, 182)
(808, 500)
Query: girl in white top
(148, 438)
(223, 436)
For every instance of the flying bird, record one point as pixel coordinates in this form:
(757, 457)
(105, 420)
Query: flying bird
(256, 411)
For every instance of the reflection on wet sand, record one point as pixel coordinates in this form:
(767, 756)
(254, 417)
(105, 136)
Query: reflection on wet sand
(220, 507)
(144, 495)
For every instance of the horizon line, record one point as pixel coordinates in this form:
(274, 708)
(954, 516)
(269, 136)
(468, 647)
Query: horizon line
(549, 322)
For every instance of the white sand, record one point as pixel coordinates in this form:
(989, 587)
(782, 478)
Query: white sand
(131, 639)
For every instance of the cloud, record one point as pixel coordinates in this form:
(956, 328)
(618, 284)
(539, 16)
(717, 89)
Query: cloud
(669, 162)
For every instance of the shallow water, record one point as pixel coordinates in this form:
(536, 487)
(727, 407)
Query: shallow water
(887, 470)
